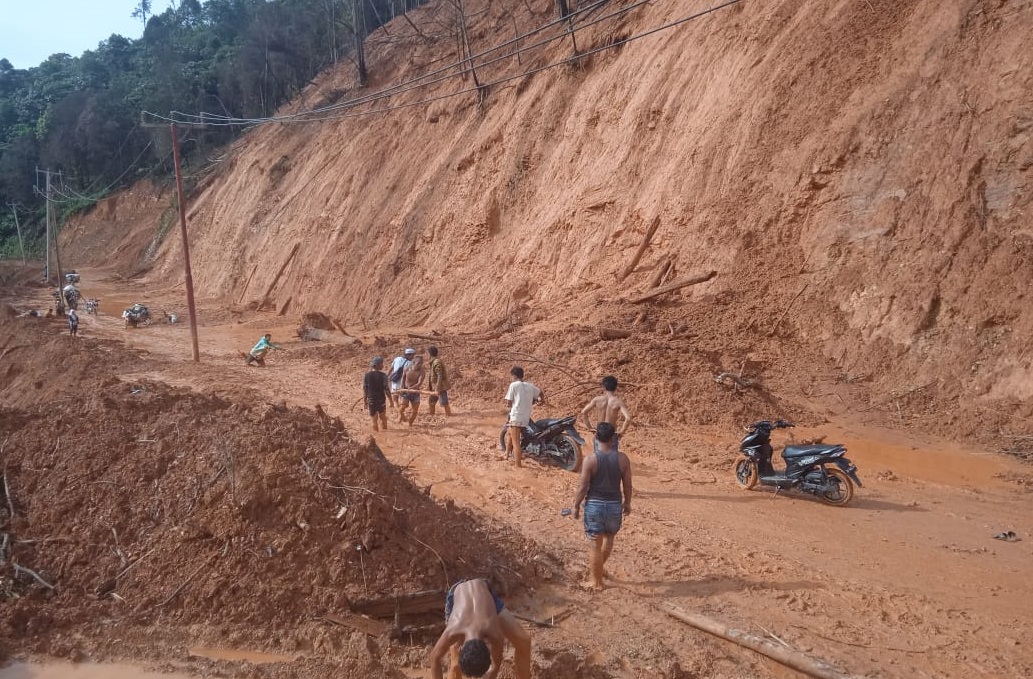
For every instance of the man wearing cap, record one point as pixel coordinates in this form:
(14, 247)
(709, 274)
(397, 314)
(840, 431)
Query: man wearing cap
(376, 392)
(394, 375)
(603, 474)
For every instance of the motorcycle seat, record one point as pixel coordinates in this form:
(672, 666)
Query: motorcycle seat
(548, 422)
(801, 451)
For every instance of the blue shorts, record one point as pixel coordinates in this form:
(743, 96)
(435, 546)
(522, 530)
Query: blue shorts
(411, 398)
(450, 599)
(615, 440)
(603, 517)
(441, 397)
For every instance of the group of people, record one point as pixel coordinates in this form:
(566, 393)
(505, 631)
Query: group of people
(477, 622)
(403, 386)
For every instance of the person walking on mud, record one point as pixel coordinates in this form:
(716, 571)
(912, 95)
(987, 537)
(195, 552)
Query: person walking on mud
(409, 394)
(603, 474)
(258, 352)
(73, 323)
(437, 379)
(377, 393)
(394, 375)
(607, 407)
(520, 397)
(477, 626)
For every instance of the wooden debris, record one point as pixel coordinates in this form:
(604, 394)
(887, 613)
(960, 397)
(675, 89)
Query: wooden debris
(789, 306)
(404, 604)
(789, 657)
(276, 278)
(641, 248)
(666, 264)
(247, 283)
(744, 383)
(614, 333)
(34, 574)
(678, 285)
(360, 623)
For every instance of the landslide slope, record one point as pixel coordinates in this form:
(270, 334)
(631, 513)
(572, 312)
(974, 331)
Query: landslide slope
(857, 174)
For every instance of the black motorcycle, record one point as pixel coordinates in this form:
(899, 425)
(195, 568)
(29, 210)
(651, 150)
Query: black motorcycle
(137, 315)
(821, 470)
(550, 441)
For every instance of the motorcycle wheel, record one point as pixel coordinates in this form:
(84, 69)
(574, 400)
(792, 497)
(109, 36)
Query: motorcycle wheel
(843, 491)
(570, 453)
(746, 474)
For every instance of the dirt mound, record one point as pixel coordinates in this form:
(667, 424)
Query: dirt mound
(141, 503)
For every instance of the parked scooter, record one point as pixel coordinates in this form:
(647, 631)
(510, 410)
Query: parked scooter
(550, 441)
(821, 470)
(137, 315)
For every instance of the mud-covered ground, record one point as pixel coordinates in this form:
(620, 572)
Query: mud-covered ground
(175, 505)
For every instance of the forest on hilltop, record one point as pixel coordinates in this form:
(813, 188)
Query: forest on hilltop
(80, 115)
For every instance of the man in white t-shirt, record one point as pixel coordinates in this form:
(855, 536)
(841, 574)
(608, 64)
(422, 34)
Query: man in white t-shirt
(398, 366)
(520, 397)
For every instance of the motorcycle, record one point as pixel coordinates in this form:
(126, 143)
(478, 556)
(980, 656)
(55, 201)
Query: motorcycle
(821, 470)
(552, 441)
(138, 314)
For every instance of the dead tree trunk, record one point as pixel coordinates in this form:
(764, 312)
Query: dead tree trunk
(359, 30)
(564, 11)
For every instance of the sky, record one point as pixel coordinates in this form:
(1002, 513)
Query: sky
(32, 30)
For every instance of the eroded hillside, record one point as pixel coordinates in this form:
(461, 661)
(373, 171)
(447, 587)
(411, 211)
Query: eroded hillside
(857, 174)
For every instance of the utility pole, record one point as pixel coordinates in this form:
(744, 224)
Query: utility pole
(21, 243)
(188, 275)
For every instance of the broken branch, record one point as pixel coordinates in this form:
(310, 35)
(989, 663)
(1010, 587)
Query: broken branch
(695, 280)
(641, 248)
(789, 657)
(34, 574)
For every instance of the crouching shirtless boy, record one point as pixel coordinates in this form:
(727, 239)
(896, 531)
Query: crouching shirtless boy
(477, 626)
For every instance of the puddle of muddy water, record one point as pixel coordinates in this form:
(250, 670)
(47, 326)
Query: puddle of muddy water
(82, 671)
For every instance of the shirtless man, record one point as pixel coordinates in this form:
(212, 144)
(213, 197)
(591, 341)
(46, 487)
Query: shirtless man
(409, 395)
(607, 408)
(477, 625)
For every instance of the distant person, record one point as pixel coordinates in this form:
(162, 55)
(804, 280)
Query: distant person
(258, 352)
(377, 393)
(477, 626)
(607, 407)
(520, 397)
(438, 380)
(409, 394)
(603, 474)
(394, 375)
(73, 323)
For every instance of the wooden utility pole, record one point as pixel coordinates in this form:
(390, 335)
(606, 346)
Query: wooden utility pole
(359, 30)
(191, 311)
(17, 226)
(47, 263)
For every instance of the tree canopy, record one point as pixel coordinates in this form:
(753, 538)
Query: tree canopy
(80, 116)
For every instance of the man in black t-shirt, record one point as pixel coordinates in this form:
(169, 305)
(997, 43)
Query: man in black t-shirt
(377, 392)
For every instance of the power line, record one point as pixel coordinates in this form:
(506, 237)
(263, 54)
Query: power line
(411, 84)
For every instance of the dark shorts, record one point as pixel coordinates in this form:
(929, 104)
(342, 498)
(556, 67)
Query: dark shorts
(377, 408)
(616, 443)
(442, 397)
(450, 599)
(411, 398)
(603, 517)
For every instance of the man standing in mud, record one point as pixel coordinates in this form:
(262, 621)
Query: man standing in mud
(607, 407)
(73, 323)
(409, 394)
(477, 625)
(603, 474)
(377, 393)
(394, 375)
(520, 397)
(438, 381)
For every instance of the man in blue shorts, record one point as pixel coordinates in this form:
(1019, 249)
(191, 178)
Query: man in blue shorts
(603, 473)
(477, 626)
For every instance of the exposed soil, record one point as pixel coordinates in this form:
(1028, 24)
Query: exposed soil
(857, 176)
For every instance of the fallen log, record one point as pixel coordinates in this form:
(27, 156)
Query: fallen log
(415, 391)
(695, 280)
(641, 248)
(357, 622)
(276, 278)
(789, 657)
(665, 265)
(614, 333)
(401, 604)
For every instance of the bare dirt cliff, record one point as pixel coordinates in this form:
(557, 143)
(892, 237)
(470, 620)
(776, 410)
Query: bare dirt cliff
(857, 174)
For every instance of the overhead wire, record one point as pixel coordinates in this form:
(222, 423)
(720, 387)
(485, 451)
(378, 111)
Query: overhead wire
(313, 115)
(407, 85)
